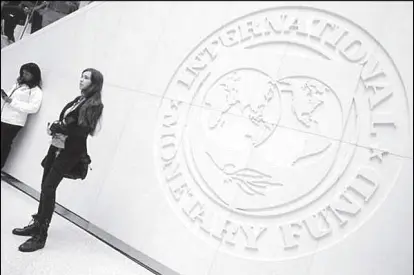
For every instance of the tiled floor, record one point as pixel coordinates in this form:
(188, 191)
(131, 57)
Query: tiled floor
(69, 250)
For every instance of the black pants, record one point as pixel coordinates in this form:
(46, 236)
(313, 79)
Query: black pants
(8, 133)
(50, 181)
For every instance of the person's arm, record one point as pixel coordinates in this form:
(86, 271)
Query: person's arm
(41, 6)
(31, 107)
(71, 128)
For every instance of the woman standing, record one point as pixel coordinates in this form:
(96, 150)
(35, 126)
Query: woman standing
(78, 120)
(23, 99)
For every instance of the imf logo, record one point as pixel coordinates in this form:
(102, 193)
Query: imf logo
(281, 133)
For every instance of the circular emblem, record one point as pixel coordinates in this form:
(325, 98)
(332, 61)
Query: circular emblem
(281, 133)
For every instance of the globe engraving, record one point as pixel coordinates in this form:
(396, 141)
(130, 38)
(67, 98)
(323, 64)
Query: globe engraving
(256, 135)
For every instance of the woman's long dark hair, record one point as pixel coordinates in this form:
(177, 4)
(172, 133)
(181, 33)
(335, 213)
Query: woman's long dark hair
(35, 71)
(91, 110)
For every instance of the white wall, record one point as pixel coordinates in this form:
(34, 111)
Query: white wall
(139, 46)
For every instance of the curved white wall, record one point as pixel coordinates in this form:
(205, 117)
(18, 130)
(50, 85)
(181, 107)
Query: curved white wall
(143, 50)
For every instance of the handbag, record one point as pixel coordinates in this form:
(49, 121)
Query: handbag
(80, 170)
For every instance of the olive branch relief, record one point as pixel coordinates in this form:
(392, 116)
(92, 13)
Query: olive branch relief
(250, 181)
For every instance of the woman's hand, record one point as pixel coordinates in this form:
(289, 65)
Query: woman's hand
(26, 10)
(5, 97)
(57, 128)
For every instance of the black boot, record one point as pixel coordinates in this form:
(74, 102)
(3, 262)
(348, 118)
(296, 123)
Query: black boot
(38, 241)
(32, 229)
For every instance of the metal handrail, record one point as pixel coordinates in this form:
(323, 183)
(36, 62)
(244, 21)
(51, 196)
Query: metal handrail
(28, 18)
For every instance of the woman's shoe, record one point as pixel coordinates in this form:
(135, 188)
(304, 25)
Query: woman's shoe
(38, 241)
(32, 229)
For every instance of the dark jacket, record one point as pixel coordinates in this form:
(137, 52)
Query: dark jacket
(75, 144)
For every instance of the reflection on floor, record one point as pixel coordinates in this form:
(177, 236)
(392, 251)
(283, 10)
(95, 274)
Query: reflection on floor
(69, 250)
